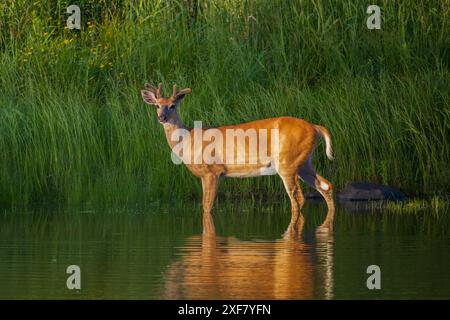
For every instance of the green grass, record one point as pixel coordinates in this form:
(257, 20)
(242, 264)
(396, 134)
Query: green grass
(435, 205)
(74, 129)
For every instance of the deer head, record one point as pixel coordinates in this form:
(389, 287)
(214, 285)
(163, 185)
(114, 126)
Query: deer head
(166, 108)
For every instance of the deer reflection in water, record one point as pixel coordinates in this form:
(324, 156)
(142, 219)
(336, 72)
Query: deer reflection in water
(215, 267)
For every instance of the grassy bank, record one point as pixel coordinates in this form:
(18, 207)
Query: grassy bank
(73, 127)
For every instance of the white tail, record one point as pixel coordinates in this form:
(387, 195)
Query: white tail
(323, 132)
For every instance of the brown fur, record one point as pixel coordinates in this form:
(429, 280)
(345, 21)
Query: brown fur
(297, 141)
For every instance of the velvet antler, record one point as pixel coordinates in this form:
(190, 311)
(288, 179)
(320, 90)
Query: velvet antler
(156, 91)
(183, 92)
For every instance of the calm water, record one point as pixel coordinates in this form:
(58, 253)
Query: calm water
(163, 253)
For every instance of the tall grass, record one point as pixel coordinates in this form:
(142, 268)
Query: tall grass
(73, 127)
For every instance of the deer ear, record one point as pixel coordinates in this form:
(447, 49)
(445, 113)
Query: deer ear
(148, 96)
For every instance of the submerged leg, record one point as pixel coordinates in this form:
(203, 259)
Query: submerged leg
(322, 185)
(209, 185)
(292, 188)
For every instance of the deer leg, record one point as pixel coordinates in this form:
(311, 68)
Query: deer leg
(300, 197)
(309, 175)
(209, 230)
(291, 186)
(209, 185)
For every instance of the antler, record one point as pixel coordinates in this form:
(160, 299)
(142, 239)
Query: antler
(159, 91)
(174, 91)
(183, 92)
(156, 91)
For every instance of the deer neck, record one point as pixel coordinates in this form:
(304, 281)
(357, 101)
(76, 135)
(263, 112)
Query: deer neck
(170, 128)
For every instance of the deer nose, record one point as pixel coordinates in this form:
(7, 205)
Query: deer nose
(162, 117)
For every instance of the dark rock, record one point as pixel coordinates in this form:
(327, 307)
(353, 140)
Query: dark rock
(363, 191)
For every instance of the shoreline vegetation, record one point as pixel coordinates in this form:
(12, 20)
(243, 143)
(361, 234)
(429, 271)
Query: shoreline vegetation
(436, 205)
(74, 129)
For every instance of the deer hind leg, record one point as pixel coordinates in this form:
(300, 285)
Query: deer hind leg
(300, 196)
(295, 194)
(322, 185)
(209, 186)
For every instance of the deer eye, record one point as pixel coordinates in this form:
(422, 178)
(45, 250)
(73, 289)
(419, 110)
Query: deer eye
(172, 106)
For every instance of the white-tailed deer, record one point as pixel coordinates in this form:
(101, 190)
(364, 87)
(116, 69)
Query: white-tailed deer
(287, 153)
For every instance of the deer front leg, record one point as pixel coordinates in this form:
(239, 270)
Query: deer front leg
(209, 185)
